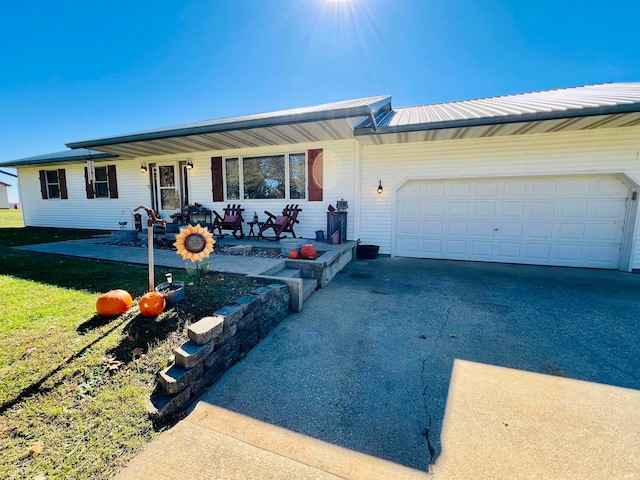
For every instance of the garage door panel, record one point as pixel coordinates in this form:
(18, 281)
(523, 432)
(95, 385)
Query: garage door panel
(508, 251)
(409, 209)
(457, 228)
(571, 231)
(607, 187)
(544, 188)
(459, 209)
(542, 209)
(510, 229)
(610, 209)
(459, 190)
(570, 252)
(408, 227)
(432, 227)
(433, 209)
(486, 190)
(457, 248)
(432, 190)
(432, 248)
(482, 229)
(540, 230)
(484, 209)
(606, 232)
(571, 208)
(513, 209)
(481, 249)
(538, 251)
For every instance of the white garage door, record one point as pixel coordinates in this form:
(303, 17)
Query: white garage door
(567, 221)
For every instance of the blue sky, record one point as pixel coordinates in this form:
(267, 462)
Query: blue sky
(76, 70)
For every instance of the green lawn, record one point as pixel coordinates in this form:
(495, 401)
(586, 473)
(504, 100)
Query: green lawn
(56, 389)
(11, 218)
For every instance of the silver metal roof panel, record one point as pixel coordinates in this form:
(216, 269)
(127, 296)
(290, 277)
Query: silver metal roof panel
(328, 111)
(589, 100)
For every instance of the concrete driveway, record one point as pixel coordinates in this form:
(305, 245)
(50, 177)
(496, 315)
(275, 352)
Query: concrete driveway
(368, 364)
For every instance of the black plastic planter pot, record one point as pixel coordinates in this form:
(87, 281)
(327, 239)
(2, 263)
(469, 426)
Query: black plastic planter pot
(173, 293)
(367, 252)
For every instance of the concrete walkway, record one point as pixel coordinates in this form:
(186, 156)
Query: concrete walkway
(515, 371)
(98, 249)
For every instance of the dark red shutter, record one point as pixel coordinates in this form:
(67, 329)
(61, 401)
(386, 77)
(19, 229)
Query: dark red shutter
(62, 178)
(88, 186)
(43, 185)
(216, 179)
(113, 181)
(315, 175)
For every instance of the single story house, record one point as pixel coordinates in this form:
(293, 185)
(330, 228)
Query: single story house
(544, 178)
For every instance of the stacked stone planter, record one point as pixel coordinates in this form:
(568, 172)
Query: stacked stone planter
(215, 344)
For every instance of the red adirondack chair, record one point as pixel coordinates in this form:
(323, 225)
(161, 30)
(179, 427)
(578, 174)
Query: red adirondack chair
(281, 224)
(232, 220)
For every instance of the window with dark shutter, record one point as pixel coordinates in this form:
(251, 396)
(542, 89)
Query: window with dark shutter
(62, 178)
(216, 179)
(88, 186)
(113, 181)
(315, 175)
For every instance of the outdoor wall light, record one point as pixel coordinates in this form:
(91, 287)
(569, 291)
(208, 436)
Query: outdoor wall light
(380, 189)
(143, 167)
(189, 164)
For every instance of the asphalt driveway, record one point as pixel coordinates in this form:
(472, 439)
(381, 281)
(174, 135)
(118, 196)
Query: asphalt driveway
(367, 365)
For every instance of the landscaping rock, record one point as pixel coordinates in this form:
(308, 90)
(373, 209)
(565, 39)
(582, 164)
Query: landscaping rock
(189, 354)
(205, 330)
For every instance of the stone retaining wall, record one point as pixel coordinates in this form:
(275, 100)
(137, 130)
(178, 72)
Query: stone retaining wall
(215, 344)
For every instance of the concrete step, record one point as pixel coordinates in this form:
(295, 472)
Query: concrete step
(309, 285)
(289, 272)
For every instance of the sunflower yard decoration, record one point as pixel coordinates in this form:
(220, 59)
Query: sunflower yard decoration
(195, 243)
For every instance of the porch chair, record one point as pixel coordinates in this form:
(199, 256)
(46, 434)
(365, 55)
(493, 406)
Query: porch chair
(281, 224)
(232, 220)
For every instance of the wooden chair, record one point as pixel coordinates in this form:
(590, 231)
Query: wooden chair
(232, 220)
(281, 224)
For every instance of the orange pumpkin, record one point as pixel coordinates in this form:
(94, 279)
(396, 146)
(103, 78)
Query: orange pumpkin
(293, 254)
(113, 303)
(151, 304)
(308, 252)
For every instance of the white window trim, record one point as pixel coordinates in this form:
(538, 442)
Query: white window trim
(95, 182)
(46, 179)
(287, 176)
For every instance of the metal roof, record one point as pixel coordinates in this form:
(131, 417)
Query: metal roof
(65, 156)
(591, 100)
(296, 116)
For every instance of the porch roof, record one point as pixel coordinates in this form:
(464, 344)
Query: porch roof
(331, 121)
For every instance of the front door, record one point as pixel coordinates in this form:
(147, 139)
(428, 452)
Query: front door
(167, 190)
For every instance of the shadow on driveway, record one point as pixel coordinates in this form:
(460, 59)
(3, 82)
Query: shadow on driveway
(367, 364)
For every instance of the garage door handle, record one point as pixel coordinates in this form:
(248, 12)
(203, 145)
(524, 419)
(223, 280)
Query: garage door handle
(496, 229)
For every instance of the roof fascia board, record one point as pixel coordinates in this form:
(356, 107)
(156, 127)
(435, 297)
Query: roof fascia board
(520, 118)
(24, 162)
(337, 114)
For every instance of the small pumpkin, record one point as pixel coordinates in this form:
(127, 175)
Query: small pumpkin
(308, 252)
(294, 254)
(113, 303)
(152, 304)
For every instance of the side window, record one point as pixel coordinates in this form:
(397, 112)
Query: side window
(101, 185)
(104, 183)
(53, 184)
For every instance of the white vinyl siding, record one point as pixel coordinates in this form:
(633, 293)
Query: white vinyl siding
(590, 152)
(78, 211)
(133, 187)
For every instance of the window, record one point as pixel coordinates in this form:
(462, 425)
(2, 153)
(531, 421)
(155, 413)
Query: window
(103, 184)
(266, 177)
(53, 184)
